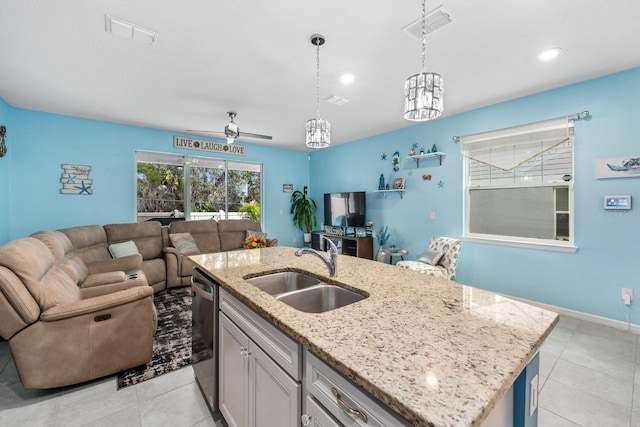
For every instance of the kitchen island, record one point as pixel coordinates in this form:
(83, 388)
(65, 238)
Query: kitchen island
(436, 352)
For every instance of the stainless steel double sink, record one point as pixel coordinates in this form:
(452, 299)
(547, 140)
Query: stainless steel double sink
(304, 292)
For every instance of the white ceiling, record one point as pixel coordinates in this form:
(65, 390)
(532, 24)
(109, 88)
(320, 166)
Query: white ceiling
(255, 57)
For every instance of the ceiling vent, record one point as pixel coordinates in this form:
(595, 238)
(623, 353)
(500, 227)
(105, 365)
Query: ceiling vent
(434, 20)
(127, 30)
(336, 100)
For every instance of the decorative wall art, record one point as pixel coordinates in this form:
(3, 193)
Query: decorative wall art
(287, 188)
(395, 160)
(398, 184)
(209, 146)
(618, 167)
(75, 180)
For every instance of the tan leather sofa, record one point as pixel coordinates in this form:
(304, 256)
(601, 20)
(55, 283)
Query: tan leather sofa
(209, 236)
(71, 312)
(57, 333)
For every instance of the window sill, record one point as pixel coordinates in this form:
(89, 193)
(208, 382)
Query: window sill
(545, 246)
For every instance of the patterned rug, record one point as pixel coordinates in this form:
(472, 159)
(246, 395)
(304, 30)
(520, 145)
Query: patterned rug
(172, 342)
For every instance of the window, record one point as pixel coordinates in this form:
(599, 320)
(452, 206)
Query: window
(196, 187)
(518, 184)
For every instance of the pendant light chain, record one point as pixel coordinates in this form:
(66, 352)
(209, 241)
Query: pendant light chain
(424, 32)
(318, 78)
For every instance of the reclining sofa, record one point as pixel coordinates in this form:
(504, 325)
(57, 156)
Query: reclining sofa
(74, 308)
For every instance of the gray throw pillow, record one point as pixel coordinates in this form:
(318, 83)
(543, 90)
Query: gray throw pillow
(431, 257)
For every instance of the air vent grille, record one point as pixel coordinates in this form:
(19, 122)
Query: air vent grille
(127, 30)
(434, 20)
(336, 100)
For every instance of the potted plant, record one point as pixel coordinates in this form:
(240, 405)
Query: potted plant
(382, 236)
(303, 209)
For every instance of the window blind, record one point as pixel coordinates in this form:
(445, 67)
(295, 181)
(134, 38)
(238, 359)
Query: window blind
(529, 154)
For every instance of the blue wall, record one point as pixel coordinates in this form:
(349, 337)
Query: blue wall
(5, 173)
(587, 281)
(42, 142)
(609, 244)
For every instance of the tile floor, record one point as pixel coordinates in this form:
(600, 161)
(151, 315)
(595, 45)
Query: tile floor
(589, 376)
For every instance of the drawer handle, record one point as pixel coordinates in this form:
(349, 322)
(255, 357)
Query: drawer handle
(346, 408)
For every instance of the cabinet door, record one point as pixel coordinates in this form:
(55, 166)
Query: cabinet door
(275, 398)
(233, 374)
(316, 416)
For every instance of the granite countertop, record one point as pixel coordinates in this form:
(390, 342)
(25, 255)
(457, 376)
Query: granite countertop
(436, 352)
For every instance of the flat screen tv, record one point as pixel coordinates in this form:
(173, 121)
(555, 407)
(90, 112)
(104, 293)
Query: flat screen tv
(345, 209)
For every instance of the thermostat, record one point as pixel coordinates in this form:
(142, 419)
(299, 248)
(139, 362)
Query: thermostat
(617, 202)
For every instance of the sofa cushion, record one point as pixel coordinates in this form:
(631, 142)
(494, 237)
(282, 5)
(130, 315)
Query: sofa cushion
(89, 242)
(146, 235)
(63, 253)
(34, 264)
(204, 233)
(233, 232)
(120, 250)
(184, 243)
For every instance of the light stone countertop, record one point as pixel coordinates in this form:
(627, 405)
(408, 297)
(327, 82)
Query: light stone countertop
(436, 352)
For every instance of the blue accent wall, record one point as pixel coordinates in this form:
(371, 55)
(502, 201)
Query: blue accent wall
(608, 243)
(5, 174)
(42, 142)
(588, 281)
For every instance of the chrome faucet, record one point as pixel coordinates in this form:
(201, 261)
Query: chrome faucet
(330, 262)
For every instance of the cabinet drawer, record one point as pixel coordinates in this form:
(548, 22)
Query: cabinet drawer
(321, 381)
(284, 350)
(316, 416)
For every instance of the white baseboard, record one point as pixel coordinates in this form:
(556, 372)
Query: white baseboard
(579, 315)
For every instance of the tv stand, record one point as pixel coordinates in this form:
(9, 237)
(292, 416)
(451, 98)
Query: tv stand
(361, 247)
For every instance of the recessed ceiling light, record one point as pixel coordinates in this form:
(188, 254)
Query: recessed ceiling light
(347, 78)
(549, 54)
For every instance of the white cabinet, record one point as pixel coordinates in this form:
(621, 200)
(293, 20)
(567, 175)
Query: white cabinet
(233, 387)
(347, 402)
(316, 416)
(254, 390)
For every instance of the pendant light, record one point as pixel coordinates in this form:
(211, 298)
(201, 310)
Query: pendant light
(423, 92)
(318, 131)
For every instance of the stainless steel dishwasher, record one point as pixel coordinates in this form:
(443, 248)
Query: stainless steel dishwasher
(204, 343)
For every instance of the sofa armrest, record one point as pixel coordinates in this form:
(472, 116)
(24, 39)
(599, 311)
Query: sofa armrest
(99, 279)
(173, 264)
(92, 305)
(272, 242)
(127, 263)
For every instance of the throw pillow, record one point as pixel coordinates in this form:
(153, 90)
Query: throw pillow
(431, 257)
(119, 250)
(184, 243)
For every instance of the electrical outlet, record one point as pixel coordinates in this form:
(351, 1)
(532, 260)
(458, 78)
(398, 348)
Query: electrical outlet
(432, 216)
(627, 295)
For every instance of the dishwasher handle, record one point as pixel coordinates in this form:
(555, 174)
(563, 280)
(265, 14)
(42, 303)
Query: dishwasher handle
(203, 288)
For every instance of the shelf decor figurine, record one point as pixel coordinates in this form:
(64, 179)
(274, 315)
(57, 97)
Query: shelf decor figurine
(381, 182)
(434, 149)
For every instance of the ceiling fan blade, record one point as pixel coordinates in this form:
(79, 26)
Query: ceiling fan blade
(205, 131)
(254, 135)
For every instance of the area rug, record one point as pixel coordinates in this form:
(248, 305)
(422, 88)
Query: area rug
(172, 341)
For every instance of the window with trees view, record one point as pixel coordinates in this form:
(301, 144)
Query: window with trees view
(197, 187)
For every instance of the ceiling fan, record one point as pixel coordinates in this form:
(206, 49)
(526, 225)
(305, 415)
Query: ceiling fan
(232, 131)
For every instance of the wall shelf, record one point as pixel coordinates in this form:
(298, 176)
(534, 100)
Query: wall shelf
(385, 192)
(440, 155)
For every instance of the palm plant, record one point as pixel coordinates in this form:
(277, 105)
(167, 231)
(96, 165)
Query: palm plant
(303, 209)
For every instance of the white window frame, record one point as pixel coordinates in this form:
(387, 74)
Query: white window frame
(518, 133)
